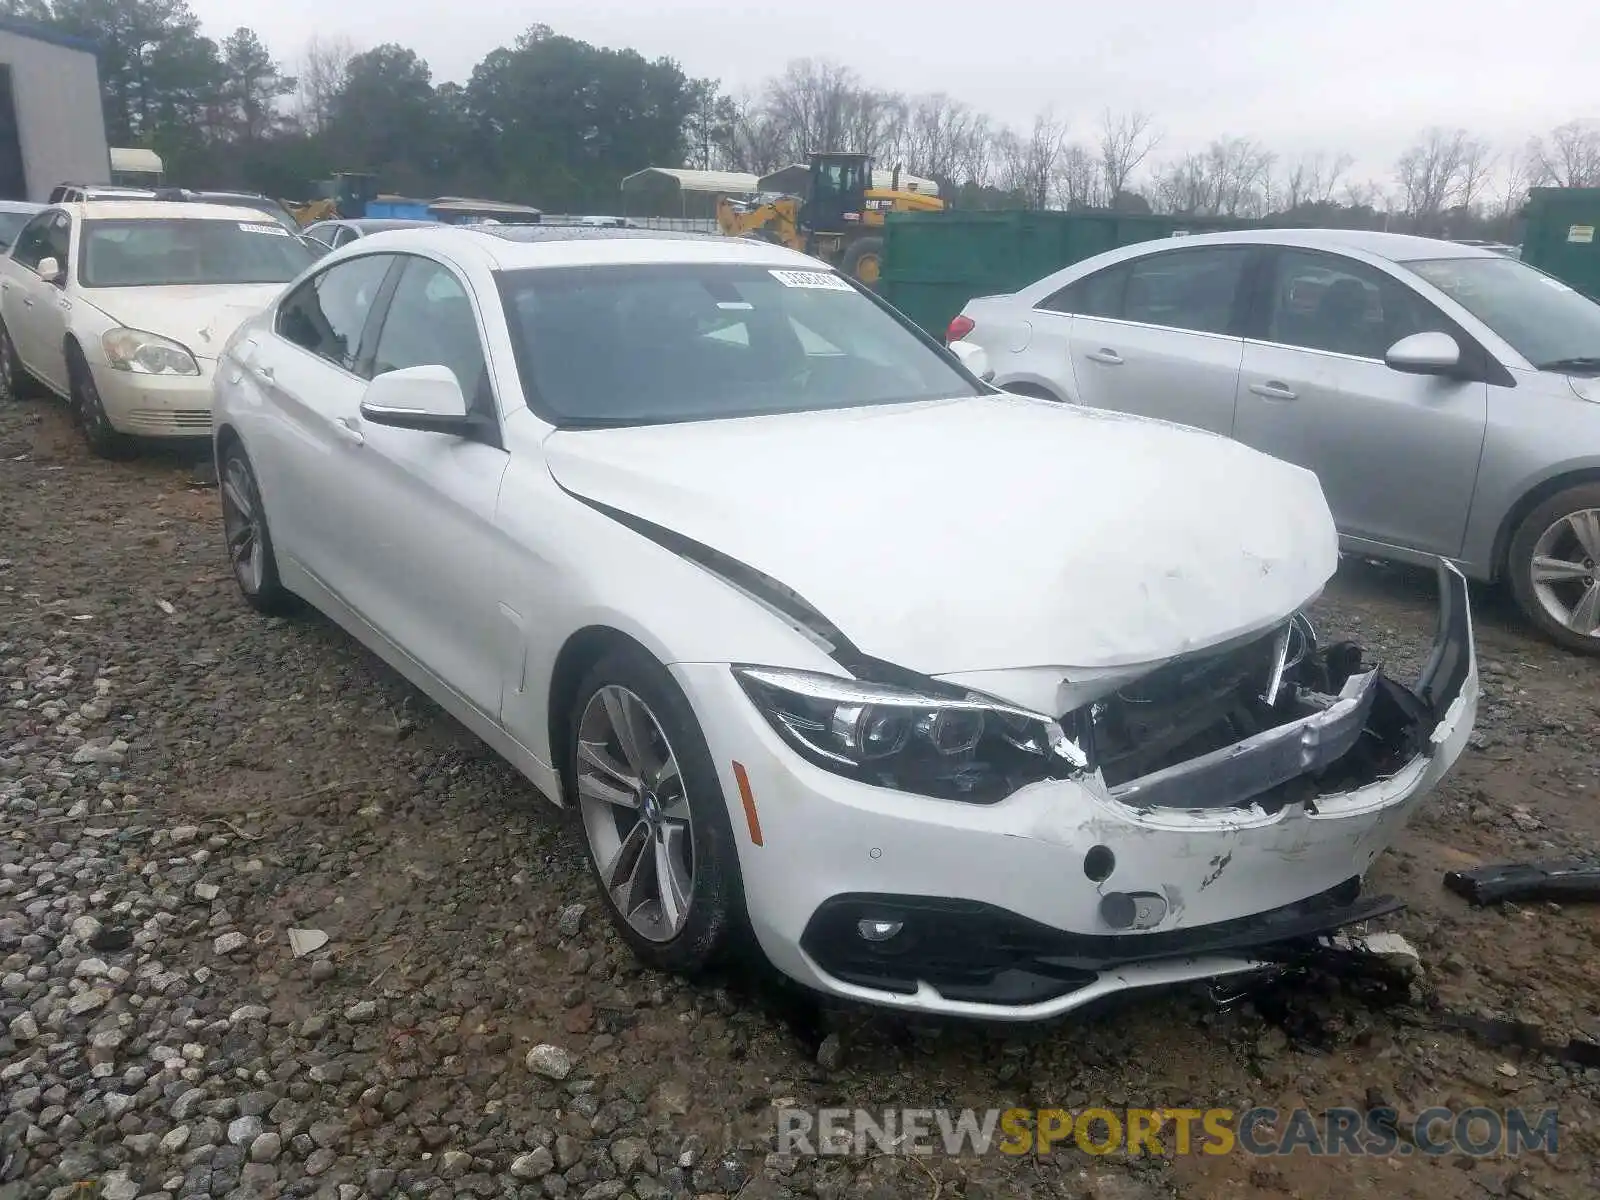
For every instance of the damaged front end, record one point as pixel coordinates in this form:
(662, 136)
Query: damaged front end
(1226, 810)
(1278, 720)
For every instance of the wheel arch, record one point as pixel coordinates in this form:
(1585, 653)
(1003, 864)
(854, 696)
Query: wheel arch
(577, 656)
(1526, 503)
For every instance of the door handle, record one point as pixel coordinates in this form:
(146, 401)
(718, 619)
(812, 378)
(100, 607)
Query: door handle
(263, 373)
(349, 431)
(1273, 390)
(27, 302)
(1106, 355)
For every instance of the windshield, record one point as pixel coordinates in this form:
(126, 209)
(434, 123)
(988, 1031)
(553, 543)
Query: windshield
(620, 345)
(11, 224)
(188, 251)
(1542, 319)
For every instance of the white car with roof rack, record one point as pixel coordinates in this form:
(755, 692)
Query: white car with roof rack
(956, 701)
(121, 308)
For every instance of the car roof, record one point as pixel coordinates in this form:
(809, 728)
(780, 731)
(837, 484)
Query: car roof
(513, 247)
(378, 223)
(158, 210)
(1396, 247)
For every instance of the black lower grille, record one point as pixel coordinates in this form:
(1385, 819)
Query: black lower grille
(976, 952)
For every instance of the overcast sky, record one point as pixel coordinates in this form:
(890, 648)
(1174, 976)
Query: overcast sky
(1359, 76)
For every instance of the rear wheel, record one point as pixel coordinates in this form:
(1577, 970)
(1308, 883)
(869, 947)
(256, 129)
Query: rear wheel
(863, 261)
(87, 408)
(1554, 565)
(654, 818)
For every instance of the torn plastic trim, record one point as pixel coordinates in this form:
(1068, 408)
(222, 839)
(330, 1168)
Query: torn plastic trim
(1234, 775)
(1258, 764)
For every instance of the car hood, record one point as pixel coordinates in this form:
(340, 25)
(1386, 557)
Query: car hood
(200, 316)
(983, 533)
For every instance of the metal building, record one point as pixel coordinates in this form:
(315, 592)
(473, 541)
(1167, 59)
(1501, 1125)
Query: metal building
(52, 128)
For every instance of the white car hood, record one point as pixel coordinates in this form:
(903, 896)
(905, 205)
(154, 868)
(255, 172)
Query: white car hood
(987, 533)
(199, 316)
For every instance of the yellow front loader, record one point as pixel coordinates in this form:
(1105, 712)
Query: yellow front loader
(839, 219)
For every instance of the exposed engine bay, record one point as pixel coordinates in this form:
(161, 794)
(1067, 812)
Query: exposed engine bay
(1271, 721)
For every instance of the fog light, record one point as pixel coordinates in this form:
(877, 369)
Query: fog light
(878, 931)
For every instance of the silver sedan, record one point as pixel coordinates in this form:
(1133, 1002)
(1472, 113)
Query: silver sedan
(1447, 397)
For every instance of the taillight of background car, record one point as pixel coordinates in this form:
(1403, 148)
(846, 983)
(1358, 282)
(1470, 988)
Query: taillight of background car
(960, 326)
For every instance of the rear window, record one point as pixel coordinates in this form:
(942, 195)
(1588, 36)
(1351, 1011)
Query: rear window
(616, 345)
(151, 253)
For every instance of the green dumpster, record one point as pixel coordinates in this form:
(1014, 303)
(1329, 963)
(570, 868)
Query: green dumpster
(935, 262)
(1560, 235)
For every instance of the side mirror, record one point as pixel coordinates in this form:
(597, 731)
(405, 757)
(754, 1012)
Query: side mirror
(427, 398)
(1424, 354)
(50, 271)
(974, 359)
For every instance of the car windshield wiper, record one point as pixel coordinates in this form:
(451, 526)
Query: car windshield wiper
(1579, 364)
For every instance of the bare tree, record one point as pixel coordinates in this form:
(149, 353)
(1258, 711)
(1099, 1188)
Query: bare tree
(1313, 179)
(824, 106)
(1126, 140)
(1569, 158)
(1511, 188)
(321, 76)
(1437, 172)
(1230, 178)
(943, 139)
(1477, 164)
(1028, 163)
(754, 142)
(1078, 182)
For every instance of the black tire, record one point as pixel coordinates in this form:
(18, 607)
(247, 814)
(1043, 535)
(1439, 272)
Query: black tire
(870, 249)
(1519, 565)
(99, 435)
(262, 590)
(15, 382)
(716, 926)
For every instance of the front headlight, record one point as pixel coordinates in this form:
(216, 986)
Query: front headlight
(147, 353)
(954, 747)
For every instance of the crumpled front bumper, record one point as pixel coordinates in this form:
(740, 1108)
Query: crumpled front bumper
(1065, 891)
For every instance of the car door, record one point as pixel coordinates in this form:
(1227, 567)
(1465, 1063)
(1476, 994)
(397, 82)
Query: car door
(306, 376)
(417, 528)
(1170, 346)
(1397, 454)
(26, 301)
(52, 310)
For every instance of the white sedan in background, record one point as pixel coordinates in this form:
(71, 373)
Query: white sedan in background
(121, 307)
(959, 702)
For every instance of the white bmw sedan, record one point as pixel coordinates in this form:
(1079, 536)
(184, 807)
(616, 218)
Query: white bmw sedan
(955, 701)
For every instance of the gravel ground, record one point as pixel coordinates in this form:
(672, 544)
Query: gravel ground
(181, 782)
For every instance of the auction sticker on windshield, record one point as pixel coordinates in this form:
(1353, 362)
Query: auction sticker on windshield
(822, 280)
(278, 230)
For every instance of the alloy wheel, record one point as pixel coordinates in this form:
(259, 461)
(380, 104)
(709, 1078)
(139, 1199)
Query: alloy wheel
(241, 526)
(635, 812)
(8, 380)
(1566, 572)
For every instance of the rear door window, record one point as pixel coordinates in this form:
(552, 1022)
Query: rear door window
(1195, 290)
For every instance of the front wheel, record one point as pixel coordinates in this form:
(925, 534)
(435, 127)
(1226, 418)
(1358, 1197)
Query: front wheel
(654, 818)
(14, 380)
(863, 261)
(1554, 565)
(249, 542)
(89, 411)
